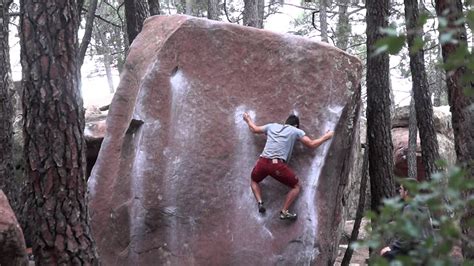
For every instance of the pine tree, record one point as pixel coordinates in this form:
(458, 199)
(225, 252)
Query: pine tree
(462, 112)
(136, 11)
(53, 131)
(379, 134)
(6, 107)
(421, 93)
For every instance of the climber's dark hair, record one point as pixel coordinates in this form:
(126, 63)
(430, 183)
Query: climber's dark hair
(293, 120)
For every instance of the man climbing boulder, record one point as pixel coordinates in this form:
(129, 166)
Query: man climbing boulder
(275, 156)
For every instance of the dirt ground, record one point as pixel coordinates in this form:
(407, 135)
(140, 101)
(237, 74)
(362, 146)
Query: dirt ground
(359, 256)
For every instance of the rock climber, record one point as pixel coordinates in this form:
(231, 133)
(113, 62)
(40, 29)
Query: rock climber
(403, 244)
(275, 156)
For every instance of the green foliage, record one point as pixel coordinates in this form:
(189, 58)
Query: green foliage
(391, 44)
(417, 45)
(442, 196)
(470, 19)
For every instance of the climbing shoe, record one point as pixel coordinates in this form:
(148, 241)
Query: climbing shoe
(261, 208)
(286, 215)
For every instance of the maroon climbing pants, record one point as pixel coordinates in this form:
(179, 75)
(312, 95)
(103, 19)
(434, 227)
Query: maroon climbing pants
(275, 168)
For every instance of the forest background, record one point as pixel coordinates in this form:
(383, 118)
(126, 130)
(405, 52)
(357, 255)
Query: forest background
(344, 21)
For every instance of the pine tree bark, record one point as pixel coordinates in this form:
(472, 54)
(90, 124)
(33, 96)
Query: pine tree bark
(250, 14)
(190, 7)
(461, 109)
(261, 13)
(108, 72)
(412, 139)
(440, 91)
(213, 10)
(154, 7)
(421, 93)
(343, 28)
(80, 5)
(323, 20)
(86, 39)
(6, 108)
(378, 108)
(53, 131)
(136, 11)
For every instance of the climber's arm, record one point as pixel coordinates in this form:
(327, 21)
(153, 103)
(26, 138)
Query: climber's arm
(314, 143)
(254, 128)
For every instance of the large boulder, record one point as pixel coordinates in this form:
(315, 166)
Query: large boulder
(444, 135)
(441, 119)
(171, 182)
(12, 242)
(352, 194)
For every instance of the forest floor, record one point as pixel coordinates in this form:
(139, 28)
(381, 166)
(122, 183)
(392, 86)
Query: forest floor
(359, 256)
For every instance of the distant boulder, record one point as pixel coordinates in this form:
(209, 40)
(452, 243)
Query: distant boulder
(12, 242)
(444, 133)
(442, 119)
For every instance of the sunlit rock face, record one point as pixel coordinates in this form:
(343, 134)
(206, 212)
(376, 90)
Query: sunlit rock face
(171, 182)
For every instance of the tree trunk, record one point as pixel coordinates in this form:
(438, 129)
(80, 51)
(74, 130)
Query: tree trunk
(343, 26)
(421, 93)
(154, 7)
(440, 93)
(104, 49)
(80, 5)
(461, 108)
(412, 139)
(7, 182)
(53, 131)
(379, 135)
(136, 11)
(250, 14)
(190, 7)
(392, 98)
(261, 13)
(213, 10)
(108, 72)
(323, 20)
(87, 32)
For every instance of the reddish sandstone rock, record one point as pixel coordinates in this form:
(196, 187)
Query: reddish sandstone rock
(400, 152)
(171, 183)
(12, 242)
(444, 134)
